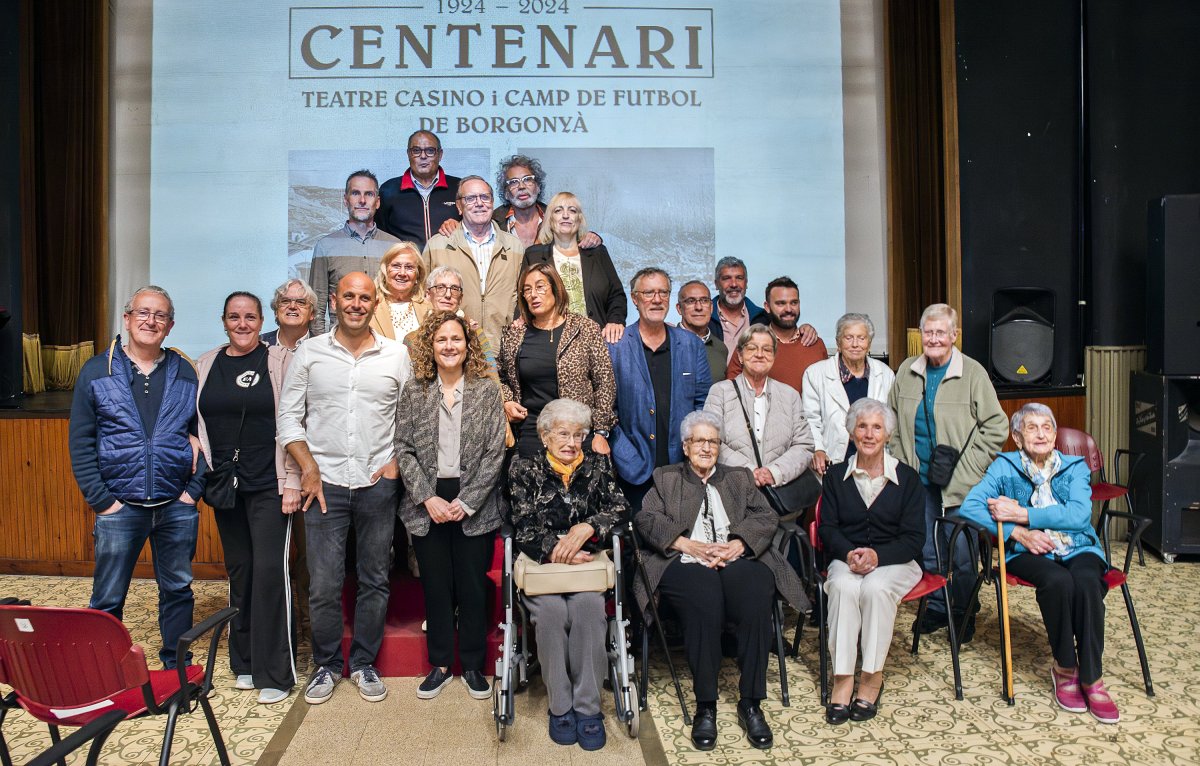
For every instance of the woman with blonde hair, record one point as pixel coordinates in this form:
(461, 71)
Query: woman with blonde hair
(401, 285)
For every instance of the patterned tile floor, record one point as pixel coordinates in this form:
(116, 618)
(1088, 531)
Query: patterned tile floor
(246, 725)
(919, 721)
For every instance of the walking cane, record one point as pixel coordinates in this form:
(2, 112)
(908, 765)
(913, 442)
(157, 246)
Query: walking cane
(1007, 637)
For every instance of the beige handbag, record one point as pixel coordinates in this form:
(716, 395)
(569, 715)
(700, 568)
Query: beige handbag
(536, 579)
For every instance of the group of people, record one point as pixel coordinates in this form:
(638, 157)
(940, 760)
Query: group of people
(478, 366)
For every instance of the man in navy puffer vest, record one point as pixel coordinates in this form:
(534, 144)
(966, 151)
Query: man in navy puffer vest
(131, 419)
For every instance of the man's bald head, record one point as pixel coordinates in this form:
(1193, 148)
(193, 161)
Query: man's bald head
(354, 303)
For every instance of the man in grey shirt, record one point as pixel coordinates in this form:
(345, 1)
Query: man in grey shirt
(337, 420)
(357, 246)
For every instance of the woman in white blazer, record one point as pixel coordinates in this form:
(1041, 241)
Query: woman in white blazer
(831, 386)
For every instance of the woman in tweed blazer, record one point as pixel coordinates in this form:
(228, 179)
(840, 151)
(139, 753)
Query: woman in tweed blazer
(450, 446)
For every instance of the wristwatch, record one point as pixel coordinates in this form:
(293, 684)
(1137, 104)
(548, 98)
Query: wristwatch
(601, 432)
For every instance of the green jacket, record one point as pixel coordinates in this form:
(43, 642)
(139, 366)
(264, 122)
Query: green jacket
(964, 398)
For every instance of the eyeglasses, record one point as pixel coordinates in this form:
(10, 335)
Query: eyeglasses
(541, 288)
(935, 334)
(428, 151)
(471, 199)
(1034, 428)
(564, 435)
(446, 290)
(754, 348)
(513, 183)
(687, 303)
(289, 302)
(710, 443)
(403, 267)
(651, 294)
(143, 315)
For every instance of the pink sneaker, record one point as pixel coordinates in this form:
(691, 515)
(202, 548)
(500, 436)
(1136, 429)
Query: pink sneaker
(1102, 707)
(1067, 692)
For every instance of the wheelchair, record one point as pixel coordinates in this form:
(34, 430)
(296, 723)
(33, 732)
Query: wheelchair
(516, 662)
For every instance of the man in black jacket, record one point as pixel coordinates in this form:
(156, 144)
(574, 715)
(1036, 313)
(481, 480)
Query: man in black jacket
(414, 206)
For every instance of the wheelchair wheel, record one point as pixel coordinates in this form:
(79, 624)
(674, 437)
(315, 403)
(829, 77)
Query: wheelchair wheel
(499, 710)
(633, 725)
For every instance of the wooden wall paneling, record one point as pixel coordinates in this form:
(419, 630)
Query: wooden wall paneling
(1069, 410)
(45, 526)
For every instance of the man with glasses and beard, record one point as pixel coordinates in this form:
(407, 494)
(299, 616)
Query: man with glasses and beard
(487, 257)
(414, 206)
(357, 246)
(522, 181)
(792, 354)
(662, 375)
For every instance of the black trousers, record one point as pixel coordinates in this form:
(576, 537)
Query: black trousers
(454, 575)
(705, 600)
(1070, 594)
(255, 538)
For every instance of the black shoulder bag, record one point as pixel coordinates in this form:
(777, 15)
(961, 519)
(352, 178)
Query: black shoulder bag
(944, 458)
(221, 482)
(787, 499)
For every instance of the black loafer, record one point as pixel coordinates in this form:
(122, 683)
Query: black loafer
(931, 622)
(754, 723)
(704, 729)
(837, 714)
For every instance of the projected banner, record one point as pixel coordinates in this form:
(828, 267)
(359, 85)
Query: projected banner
(687, 132)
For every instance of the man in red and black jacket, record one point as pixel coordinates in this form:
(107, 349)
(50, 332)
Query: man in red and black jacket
(414, 205)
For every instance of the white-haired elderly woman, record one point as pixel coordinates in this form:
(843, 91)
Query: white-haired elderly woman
(1044, 499)
(444, 292)
(763, 427)
(832, 385)
(872, 530)
(708, 532)
(295, 305)
(942, 397)
(565, 501)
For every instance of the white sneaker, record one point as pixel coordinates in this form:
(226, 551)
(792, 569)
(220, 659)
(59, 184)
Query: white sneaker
(271, 696)
(244, 682)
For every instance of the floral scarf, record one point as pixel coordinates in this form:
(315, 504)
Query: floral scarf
(1042, 496)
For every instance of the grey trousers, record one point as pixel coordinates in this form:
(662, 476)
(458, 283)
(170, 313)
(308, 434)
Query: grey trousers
(571, 631)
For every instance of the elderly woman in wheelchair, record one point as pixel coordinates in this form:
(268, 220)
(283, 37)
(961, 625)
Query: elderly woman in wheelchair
(565, 503)
(708, 533)
(1044, 500)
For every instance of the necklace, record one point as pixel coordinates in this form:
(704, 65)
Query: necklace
(550, 330)
(795, 336)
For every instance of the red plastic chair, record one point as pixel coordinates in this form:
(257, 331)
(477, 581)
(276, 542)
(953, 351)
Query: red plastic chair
(68, 667)
(930, 583)
(1072, 441)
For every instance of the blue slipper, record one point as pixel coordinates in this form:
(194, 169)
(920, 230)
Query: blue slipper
(590, 731)
(562, 728)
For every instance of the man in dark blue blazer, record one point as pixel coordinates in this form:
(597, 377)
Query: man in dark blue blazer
(662, 374)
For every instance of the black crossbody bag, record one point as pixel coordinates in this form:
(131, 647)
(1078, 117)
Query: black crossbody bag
(221, 482)
(944, 458)
(787, 499)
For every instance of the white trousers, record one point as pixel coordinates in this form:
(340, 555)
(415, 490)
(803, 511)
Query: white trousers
(866, 605)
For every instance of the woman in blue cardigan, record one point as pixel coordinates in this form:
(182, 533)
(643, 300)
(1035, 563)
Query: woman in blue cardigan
(1044, 499)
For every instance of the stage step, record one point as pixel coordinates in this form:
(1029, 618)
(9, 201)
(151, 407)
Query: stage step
(404, 652)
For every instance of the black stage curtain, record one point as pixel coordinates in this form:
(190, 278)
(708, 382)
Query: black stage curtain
(64, 178)
(918, 250)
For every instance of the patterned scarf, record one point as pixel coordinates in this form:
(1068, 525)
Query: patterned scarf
(844, 371)
(1042, 496)
(565, 470)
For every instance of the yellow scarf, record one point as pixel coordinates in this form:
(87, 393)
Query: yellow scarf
(565, 470)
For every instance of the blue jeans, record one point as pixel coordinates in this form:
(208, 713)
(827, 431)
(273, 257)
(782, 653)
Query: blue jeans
(964, 574)
(119, 538)
(372, 512)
